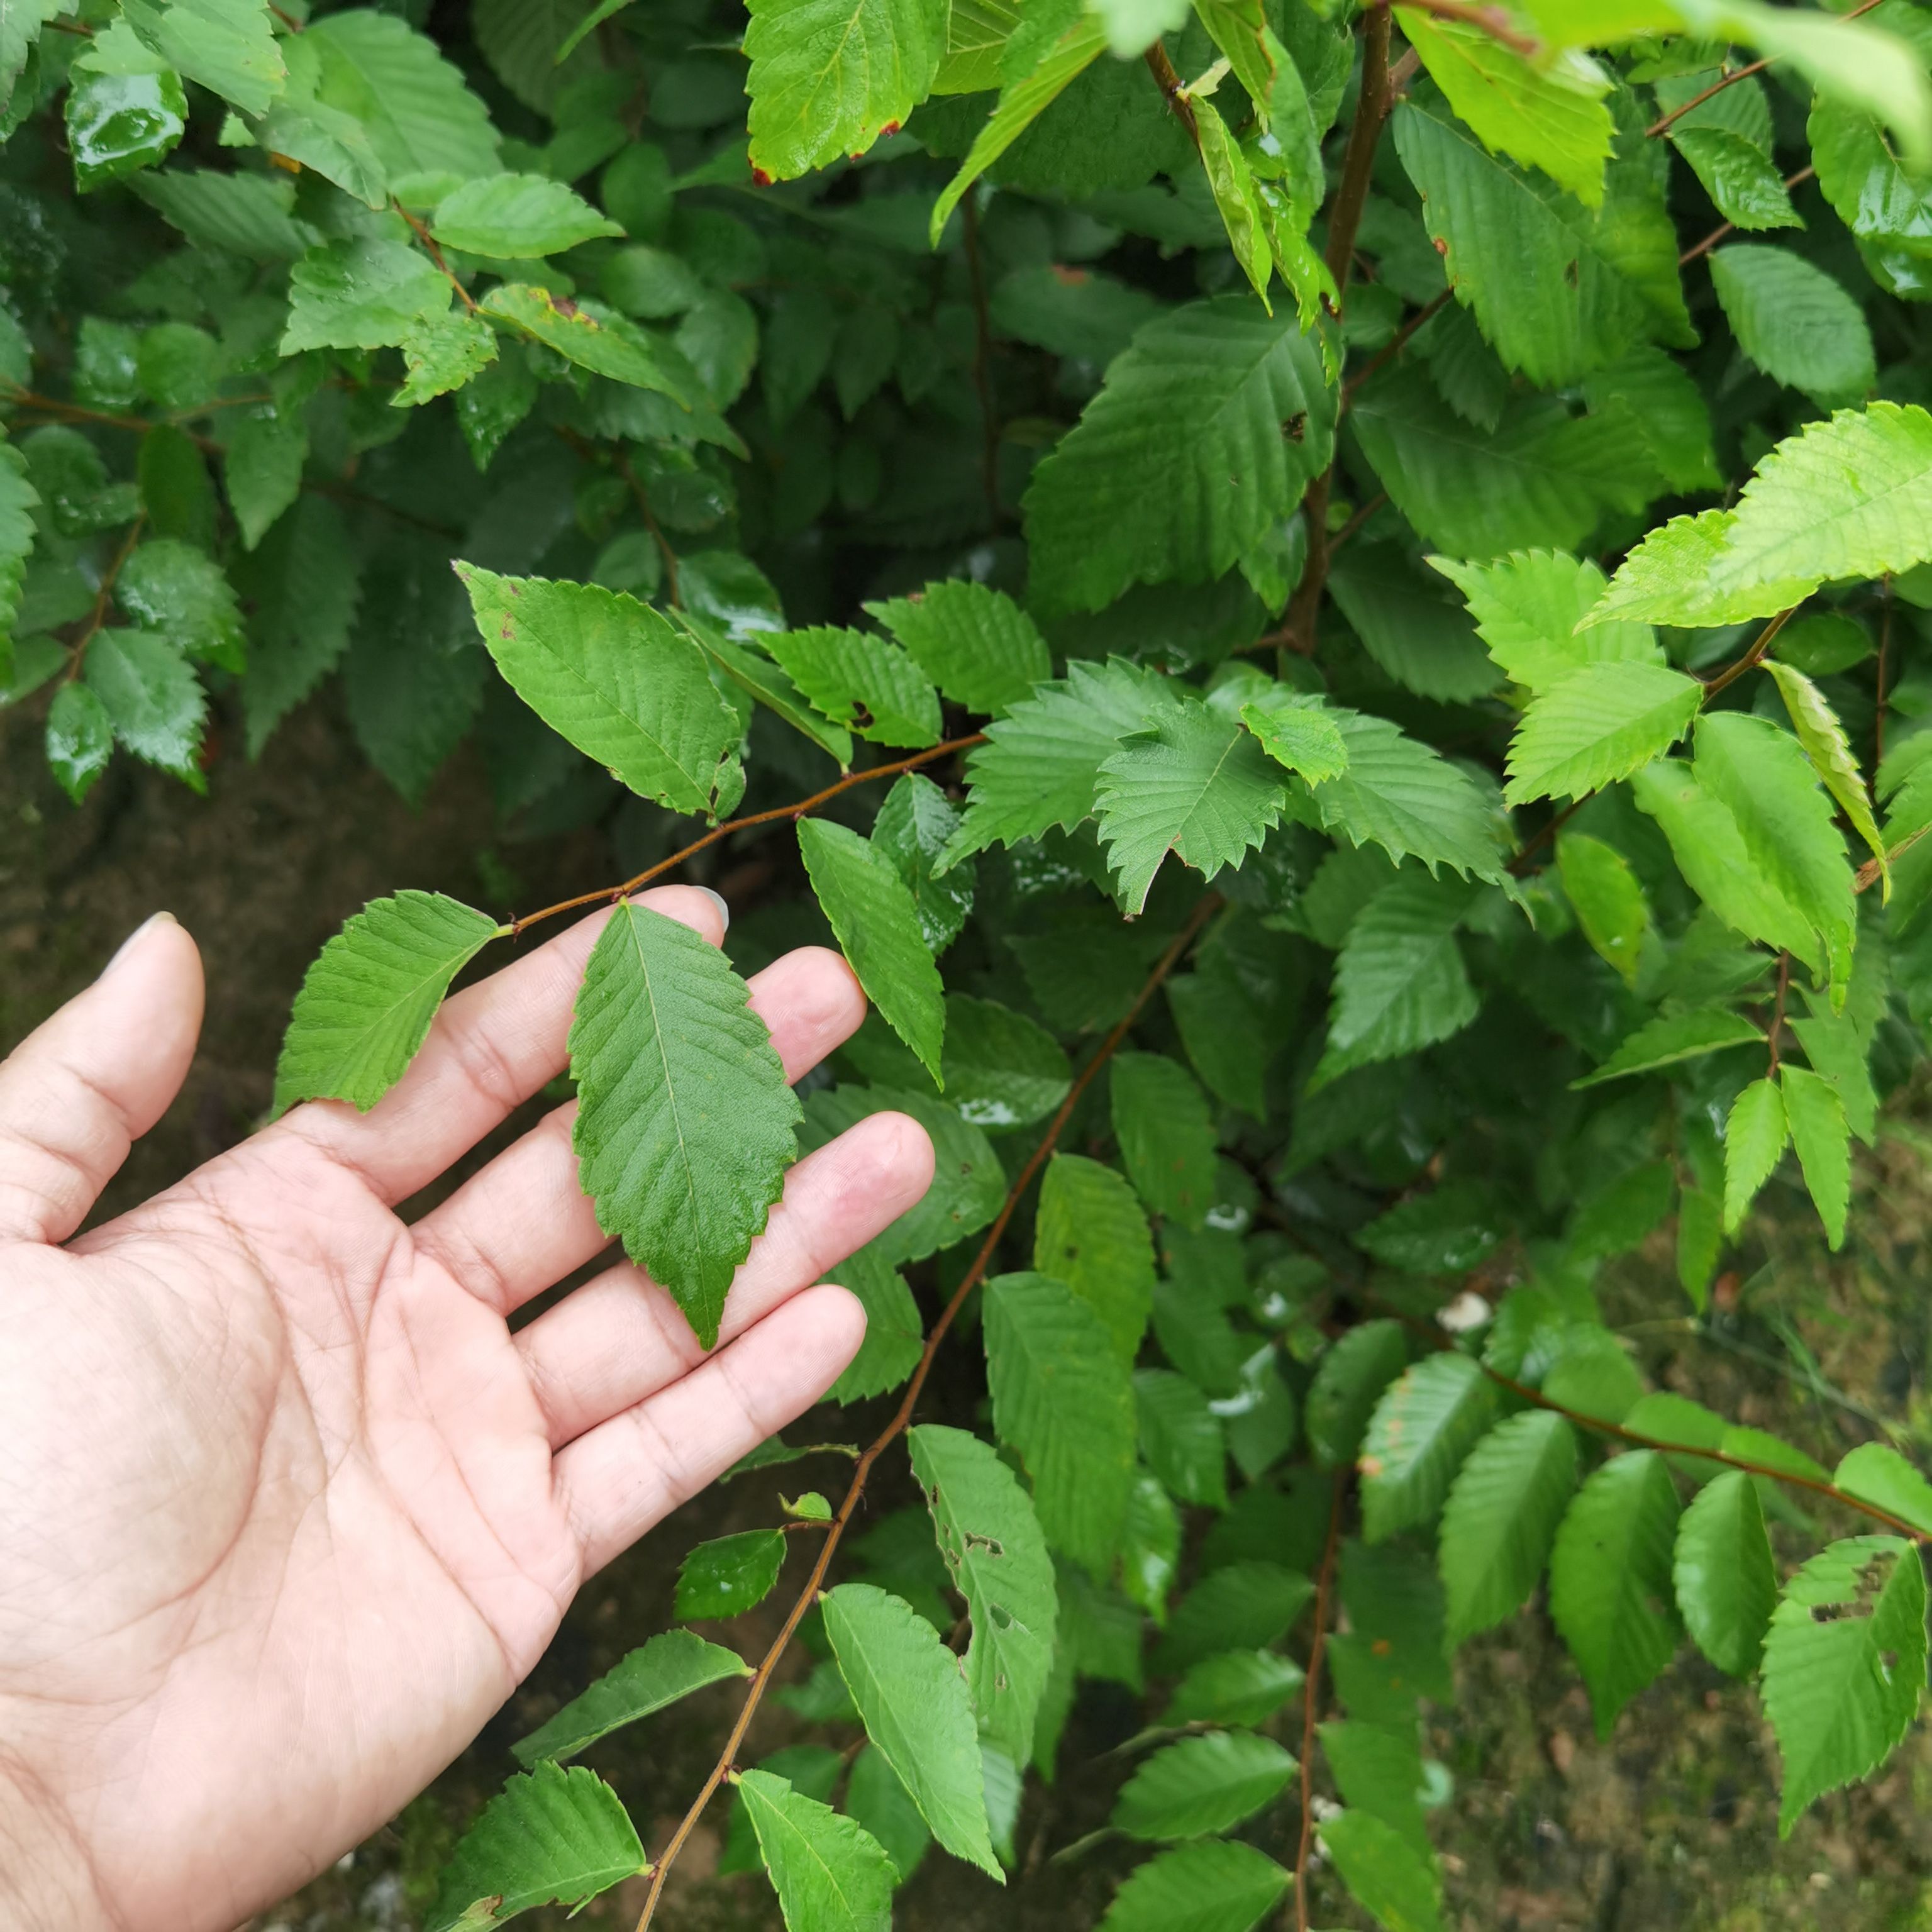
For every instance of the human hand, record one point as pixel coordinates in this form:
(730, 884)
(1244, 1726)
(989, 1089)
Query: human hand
(286, 1510)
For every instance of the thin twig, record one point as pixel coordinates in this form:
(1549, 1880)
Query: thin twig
(983, 360)
(1664, 123)
(1868, 874)
(1344, 221)
(1751, 659)
(421, 230)
(1162, 68)
(104, 598)
(1356, 522)
(1777, 1026)
(1716, 234)
(1311, 1702)
(1543, 833)
(1494, 21)
(519, 926)
(1209, 904)
(1396, 344)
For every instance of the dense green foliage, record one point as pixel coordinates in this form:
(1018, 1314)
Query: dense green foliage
(1400, 641)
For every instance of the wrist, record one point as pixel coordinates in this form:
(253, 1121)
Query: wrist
(46, 1881)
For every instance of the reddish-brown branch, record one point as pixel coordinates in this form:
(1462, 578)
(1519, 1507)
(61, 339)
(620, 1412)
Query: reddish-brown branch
(1777, 1027)
(420, 229)
(1544, 832)
(1397, 343)
(1210, 903)
(103, 599)
(1752, 658)
(1311, 1700)
(518, 926)
(1663, 124)
(1716, 234)
(1168, 81)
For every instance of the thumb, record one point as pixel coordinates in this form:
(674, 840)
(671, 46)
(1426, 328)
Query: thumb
(78, 1091)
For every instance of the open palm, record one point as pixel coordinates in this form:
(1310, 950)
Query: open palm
(286, 1511)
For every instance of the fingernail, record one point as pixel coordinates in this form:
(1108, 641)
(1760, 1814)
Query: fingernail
(718, 900)
(127, 945)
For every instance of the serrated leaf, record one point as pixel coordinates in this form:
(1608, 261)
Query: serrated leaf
(1232, 184)
(1062, 1401)
(1876, 1472)
(600, 340)
(683, 1132)
(1818, 1131)
(1201, 1786)
(1500, 1518)
(830, 1873)
(517, 217)
(363, 294)
(177, 592)
(1378, 1769)
(861, 680)
(875, 1796)
(1236, 1687)
(764, 682)
(262, 468)
(730, 1574)
(877, 924)
(1672, 416)
(997, 1557)
(895, 1330)
(1228, 406)
(1672, 1037)
(1399, 983)
(1002, 1069)
(1552, 117)
(1726, 1581)
(442, 354)
(366, 1004)
(119, 123)
(18, 499)
(1195, 783)
(1348, 1384)
(1527, 607)
(616, 679)
(1610, 1579)
(912, 1694)
(550, 1836)
(1608, 899)
(302, 585)
(829, 76)
(977, 645)
(1422, 1426)
(672, 1665)
(1797, 324)
(418, 116)
(152, 698)
(1214, 1886)
(1246, 1605)
(228, 46)
(1150, 1547)
(1755, 1134)
(1386, 1873)
(1447, 1230)
(1090, 1233)
(1560, 290)
(1166, 1135)
(1181, 1438)
(1601, 723)
(1297, 732)
(79, 740)
(1826, 745)
(1741, 178)
(1844, 1665)
(1041, 763)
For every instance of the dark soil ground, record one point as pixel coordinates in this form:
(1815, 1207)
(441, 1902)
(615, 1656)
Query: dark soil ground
(1670, 1824)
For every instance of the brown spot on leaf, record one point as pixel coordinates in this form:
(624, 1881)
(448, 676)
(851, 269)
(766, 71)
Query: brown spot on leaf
(759, 179)
(1072, 278)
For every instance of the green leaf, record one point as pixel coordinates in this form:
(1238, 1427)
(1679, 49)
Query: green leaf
(1041, 763)
(1608, 899)
(418, 116)
(364, 294)
(177, 592)
(1150, 1547)
(1201, 1786)
(894, 1331)
(442, 354)
(1296, 731)
(303, 584)
(1385, 1873)
(79, 739)
(830, 1873)
(764, 682)
(672, 1665)
(1823, 1140)
(517, 217)
(1002, 1069)
(1062, 1401)
(1711, 854)
(1378, 1769)
(550, 1836)
(262, 468)
(1166, 1135)
(861, 680)
(1023, 97)
(1797, 324)
(366, 1004)
(18, 499)
(1610, 1579)
(977, 34)
(1348, 1386)
(1232, 184)
(1195, 783)
(1399, 983)
(229, 46)
(1879, 1474)
(119, 123)
(684, 1129)
(1559, 289)
(997, 1557)
(20, 24)
(1200, 399)
(1501, 1517)
(1090, 1233)
(1672, 418)
(877, 924)
(730, 1575)
(152, 699)
(829, 76)
(1877, 197)
(913, 1696)
(1422, 1426)
(616, 679)
(247, 215)
(1550, 118)
(1527, 607)
(1741, 178)
(977, 645)
(595, 338)
(1826, 745)
(1214, 1886)
(875, 1796)
(1844, 1665)
(1238, 1687)
(1243, 1606)
(1603, 723)
(1672, 1038)
(1726, 1582)
(1754, 1138)
(1181, 1438)
(1446, 1231)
